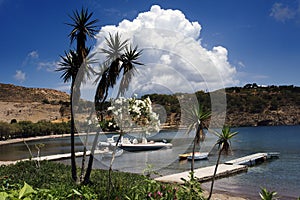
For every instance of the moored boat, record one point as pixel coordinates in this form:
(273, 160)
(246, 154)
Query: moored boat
(199, 156)
(145, 146)
(184, 156)
(134, 145)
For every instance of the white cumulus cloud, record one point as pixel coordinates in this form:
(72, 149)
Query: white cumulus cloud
(20, 76)
(174, 58)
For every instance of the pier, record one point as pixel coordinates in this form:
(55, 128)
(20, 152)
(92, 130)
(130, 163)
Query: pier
(229, 168)
(52, 157)
(253, 159)
(204, 174)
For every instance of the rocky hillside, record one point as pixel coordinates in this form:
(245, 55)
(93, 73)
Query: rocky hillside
(250, 105)
(263, 106)
(12, 93)
(32, 104)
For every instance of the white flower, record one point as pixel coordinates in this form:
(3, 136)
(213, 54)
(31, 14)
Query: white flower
(132, 112)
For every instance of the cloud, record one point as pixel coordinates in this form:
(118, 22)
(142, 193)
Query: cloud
(48, 66)
(33, 54)
(20, 76)
(282, 12)
(31, 58)
(241, 64)
(173, 55)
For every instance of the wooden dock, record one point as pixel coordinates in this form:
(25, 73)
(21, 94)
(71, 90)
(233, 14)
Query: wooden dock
(204, 174)
(52, 157)
(253, 159)
(227, 169)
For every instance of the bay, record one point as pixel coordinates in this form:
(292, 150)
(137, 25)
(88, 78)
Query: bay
(281, 175)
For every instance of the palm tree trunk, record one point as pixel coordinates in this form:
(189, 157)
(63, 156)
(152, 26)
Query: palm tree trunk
(84, 157)
(111, 163)
(193, 155)
(91, 160)
(214, 176)
(73, 157)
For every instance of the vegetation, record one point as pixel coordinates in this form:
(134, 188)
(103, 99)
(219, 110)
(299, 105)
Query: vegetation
(196, 119)
(223, 143)
(250, 105)
(24, 129)
(267, 195)
(74, 66)
(53, 181)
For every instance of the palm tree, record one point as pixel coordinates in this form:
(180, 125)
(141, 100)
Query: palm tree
(120, 59)
(69, 67)
(72, 64)
(83, 26)
(224, 145)
(196, 118)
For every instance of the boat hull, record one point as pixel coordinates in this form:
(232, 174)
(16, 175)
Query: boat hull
(145, 147)
(200, 156)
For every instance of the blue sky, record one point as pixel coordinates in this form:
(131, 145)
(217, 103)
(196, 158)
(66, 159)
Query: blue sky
(260, 38)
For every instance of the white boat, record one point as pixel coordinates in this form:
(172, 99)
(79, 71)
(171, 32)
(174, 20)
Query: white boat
(145, 146)
(199, 156)
(128, 145)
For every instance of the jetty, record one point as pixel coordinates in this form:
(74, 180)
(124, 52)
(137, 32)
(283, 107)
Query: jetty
(253, 159)
(204, 174)
(229, 168)
(52, 157)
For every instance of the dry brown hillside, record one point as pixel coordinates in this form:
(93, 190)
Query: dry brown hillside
(31, 104)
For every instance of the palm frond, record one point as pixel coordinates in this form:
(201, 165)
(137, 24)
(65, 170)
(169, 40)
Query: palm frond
(115, 46)
(82, 25)
(69, 66)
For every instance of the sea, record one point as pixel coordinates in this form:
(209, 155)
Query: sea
(281, 175)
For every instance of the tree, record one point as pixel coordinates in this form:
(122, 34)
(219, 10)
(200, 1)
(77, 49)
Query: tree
(75, 61)
(121, 58)
(196, 118)
(224, 145)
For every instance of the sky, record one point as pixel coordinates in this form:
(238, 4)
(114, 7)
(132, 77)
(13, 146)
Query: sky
(187, 45)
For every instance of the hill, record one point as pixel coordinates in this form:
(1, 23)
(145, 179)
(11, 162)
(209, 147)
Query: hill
(250, 105)
(32, 104)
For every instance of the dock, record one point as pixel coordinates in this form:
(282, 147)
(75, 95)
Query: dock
(204, 174)
(52, 157)
(253, 159)
(229, 168)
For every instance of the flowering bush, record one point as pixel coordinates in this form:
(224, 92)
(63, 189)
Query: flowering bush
(131, 113)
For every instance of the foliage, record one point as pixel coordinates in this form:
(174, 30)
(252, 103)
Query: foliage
(191, 189)
(24, 129)
(130, 113)
(224, 145)
(53, 181)
(267, 195)
(224, 138)
(250, 100)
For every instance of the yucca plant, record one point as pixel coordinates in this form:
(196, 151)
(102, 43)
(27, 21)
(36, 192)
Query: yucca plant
(83, 27)
(267, 195)
(224, 145)
(196, 117)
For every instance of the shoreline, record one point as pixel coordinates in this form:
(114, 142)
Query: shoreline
(217, 195)
(16, 140)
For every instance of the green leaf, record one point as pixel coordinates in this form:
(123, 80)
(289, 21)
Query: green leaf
(3, 195)
(26, 190)
(76, 192)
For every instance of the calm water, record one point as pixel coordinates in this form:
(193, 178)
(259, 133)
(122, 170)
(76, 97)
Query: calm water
(282, 175)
